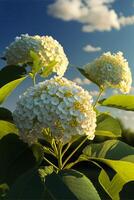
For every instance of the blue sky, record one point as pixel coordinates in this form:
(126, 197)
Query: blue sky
(109, 27)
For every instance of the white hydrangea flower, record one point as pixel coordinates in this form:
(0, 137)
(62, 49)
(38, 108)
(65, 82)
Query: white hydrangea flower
(110, 71)
(45, 47)
(70, 113)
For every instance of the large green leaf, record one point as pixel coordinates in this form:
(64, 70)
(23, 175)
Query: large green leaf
(5, 114)
(70, 184)
(124, 102)
(6, 128)
(110, 149)
(124, 168)
(107, 126)
(10, 73)
(6, 90)
(29, 186)
(124, 174)
(16, 158)
(99, 149)
(82, 71)
(38, 152)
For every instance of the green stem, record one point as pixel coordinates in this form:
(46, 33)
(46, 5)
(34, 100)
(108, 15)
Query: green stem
(60, 155)
(49, 151)
(48, 161)
(55, 148)
(74, 152)
(34, 79)
(98, 97)
(65, 150)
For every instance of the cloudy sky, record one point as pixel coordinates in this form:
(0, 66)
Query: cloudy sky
(85, 28)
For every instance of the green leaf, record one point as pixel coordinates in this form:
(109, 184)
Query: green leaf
(5, 114)
(99, 150)
(82, 71)
(129, 158)
(124, 102)
(38, 152)
(6, 90)
(28, 186)
(36, 66)
(10, 73)
(6, 128)
(124, 174)
(15, 158)
(108, 126)
(47, 70)
(110, 149)
(70, 184)
(119, 151)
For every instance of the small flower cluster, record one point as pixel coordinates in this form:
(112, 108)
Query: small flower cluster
(58, 104)
(110, 71)
(45, 47)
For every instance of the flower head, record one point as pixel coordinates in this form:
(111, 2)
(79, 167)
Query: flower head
(58, 104)
(45, 47)
(110, 71)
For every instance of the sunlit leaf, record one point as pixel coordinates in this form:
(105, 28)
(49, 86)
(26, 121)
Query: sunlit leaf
(47, 70)
(124, 102)
(124, 174)
(99, 150)
(6, 90)
(108, 126)
(70, 184)
(36, 65)
(110, 149)
(6, 128)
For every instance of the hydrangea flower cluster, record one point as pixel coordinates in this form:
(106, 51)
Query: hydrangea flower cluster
(45, 47)
(110, 71)
(58, 104)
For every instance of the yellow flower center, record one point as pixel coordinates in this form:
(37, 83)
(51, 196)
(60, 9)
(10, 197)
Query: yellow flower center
(79, 106)
(73, 123)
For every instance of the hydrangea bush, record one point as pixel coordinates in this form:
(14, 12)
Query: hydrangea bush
(57, 136)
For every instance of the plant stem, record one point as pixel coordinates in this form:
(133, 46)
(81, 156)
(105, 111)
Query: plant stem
(34, 79)
(49, 151)
(60, 155)
(74, 152)
(51, 163)
(98, 97)
(65, 150)
(55, 148)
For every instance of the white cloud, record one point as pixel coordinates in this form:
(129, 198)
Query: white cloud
(126, 20)
(81, 81)
(127, 118)
(89, 48)
(94, 15)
